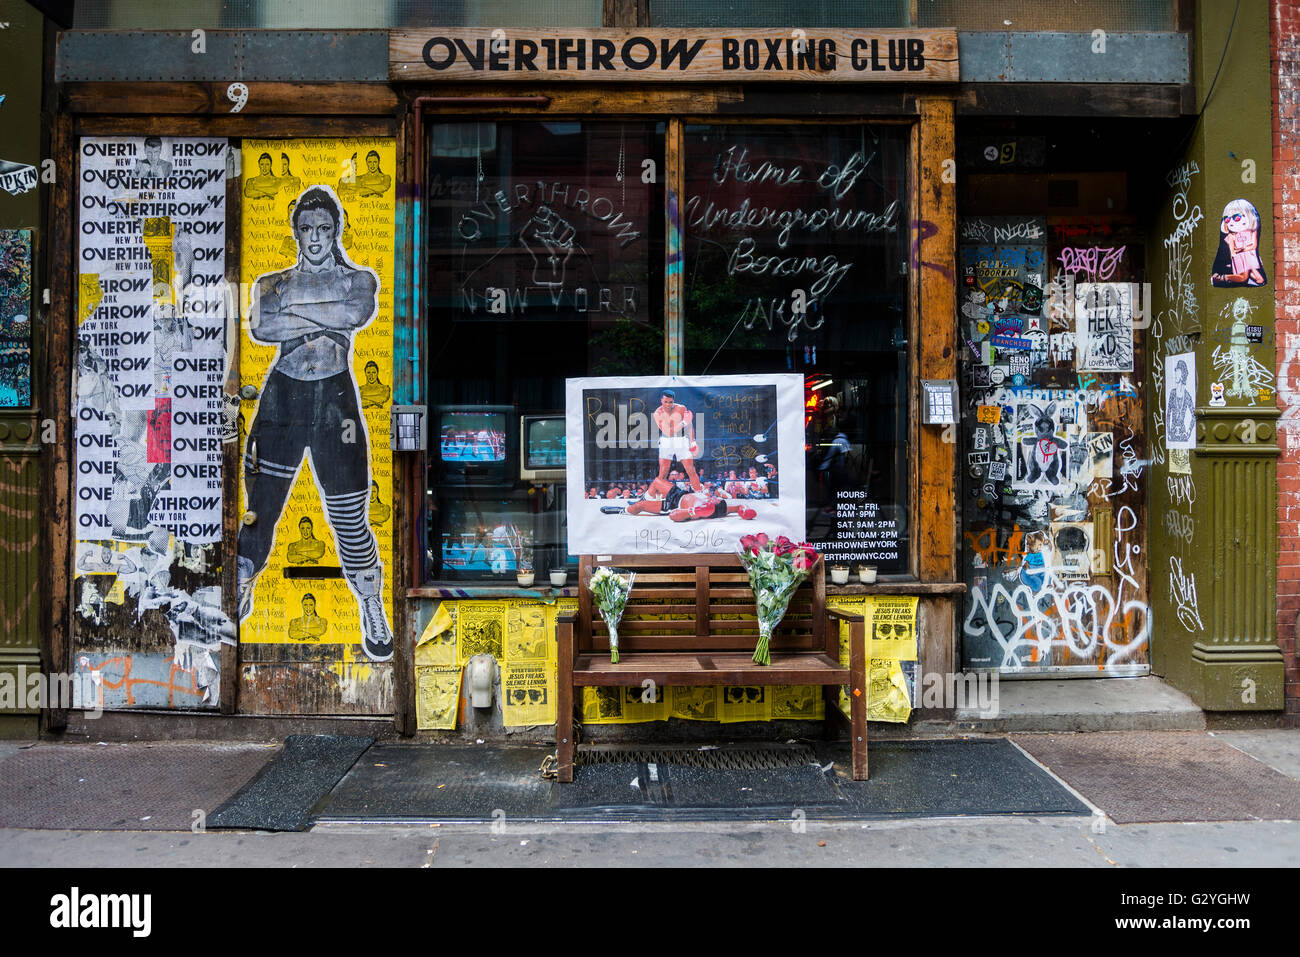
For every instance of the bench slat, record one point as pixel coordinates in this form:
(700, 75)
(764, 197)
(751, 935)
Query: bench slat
(668, 643)
(686, 670)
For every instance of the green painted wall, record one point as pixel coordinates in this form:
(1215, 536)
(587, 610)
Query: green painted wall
(20, 142)
(1213, 591)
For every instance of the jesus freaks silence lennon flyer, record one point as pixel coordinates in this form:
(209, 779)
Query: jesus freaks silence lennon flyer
(677, 464)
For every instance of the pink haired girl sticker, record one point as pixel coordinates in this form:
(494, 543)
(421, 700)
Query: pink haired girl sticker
(1237, 262)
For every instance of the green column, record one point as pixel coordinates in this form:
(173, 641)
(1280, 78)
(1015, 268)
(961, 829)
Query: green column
(1213, 592)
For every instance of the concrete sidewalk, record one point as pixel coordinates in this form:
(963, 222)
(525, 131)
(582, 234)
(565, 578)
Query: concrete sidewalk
(790, 840)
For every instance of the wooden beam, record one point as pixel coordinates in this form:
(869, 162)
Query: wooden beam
(252, 127)
(231, 464)
(1070, 99)
(404, 475)
(60, 354)
(198, 98)
(675, 188)
(935, 261)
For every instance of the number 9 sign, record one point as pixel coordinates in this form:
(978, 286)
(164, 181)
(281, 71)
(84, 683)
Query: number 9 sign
(237, 93)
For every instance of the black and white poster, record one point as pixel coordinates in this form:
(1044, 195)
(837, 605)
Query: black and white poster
(151, 338)
(1104, 337)
(1180, 401)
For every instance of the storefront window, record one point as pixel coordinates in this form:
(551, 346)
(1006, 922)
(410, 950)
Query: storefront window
(796, 260)
(545, 253)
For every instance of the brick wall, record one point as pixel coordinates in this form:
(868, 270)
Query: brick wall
(1284, 46)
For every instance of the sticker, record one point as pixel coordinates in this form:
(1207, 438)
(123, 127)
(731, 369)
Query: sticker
(1180, 462)
(1019, 364)
(1216, 395)
(1104, 315)
(981, 439)
(1180, 401)
(998, 375)
(981, 377)
(989, 413)
(982, 327)
(978, 458)
(1265, 395)
(1072, 549)
(1011, 342)
(1018, 380)
(998, 471)
(1254, 333)
(17, 178)
(1237, 262)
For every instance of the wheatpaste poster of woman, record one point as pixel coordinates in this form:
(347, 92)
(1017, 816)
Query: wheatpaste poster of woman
(316, 447)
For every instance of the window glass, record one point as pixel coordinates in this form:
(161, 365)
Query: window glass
(545, 255)
(796, 260)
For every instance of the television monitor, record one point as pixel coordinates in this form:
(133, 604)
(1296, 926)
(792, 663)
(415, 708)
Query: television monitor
(472, 444)
(541, 448)
(484, 536)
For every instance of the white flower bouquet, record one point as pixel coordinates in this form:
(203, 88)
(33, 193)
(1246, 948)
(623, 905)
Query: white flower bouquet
(610, 590)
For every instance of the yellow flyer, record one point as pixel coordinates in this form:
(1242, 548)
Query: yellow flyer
(528, 694)
(623, 705)
(891, 624)
(437, 697)
(437, 644)
(530, 634)
(749, 703)
(694, 704)
(797, 702)
(480, 629)
(316, 267)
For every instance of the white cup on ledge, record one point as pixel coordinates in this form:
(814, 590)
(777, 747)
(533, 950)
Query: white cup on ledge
(839, 574)
(558, 577)
(867, 574)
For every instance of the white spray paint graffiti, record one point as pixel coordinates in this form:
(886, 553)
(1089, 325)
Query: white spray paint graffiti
(1179, 287)
(1246, 373)
(1029, 623)
(1183, 589)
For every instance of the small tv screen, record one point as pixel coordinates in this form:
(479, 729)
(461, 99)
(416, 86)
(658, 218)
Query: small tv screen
(544, 443)
(472, 437)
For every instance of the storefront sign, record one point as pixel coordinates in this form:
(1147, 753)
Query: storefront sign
(695, 55)
(683, 464)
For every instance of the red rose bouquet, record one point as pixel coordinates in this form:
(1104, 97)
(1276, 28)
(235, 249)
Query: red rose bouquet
(776, 569)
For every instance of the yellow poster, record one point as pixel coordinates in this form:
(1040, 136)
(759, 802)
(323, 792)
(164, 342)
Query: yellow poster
(317, 341)
(891, 639)
(528, 694)
(797, 702)
(480, 629)
(528, 675)
(891, 623)
(624, 705)
(437, 697)
(694, 704)
(437, 644)
(750, 703)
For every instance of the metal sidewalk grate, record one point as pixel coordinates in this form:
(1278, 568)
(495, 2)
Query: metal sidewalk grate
(747, 758)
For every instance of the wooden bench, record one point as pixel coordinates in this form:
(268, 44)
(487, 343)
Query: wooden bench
(704, 642)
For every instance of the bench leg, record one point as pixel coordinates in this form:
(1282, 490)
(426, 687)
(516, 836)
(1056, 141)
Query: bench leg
(564, 703)
(858, 688)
